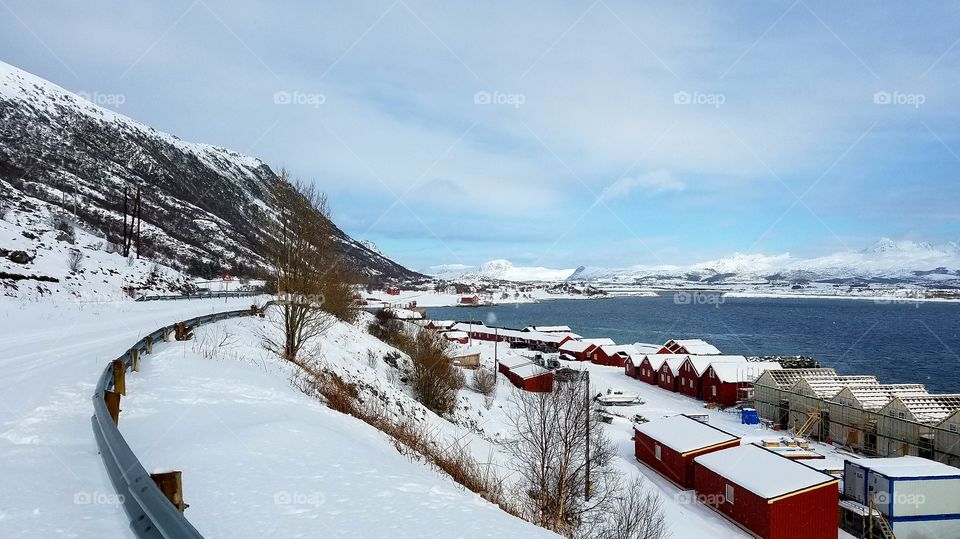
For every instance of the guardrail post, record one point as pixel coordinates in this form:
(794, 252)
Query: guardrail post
(171, 485)
(166, 334)
(149, 343)
(112, 400)
(135, 359)
(119, 376)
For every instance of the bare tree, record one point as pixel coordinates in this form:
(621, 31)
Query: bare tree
(549, 449)
(300, 251)
(436, 381)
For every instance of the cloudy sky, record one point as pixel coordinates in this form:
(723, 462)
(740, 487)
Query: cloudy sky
(554, 133)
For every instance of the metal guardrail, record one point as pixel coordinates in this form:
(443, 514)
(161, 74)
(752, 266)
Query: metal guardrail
(151, 514)
(202, 295)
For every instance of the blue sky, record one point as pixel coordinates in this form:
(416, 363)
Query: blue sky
(551, 133)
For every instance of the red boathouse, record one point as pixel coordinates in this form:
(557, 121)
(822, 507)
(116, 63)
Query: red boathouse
(669, 445)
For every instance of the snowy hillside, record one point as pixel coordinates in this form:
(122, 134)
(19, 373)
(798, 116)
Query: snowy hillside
(73, 155)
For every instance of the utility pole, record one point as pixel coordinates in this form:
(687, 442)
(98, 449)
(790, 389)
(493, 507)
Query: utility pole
(138, 221)
(586, 404)
(496, 360)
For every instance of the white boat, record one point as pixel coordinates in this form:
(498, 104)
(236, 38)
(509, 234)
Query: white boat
(619, 398)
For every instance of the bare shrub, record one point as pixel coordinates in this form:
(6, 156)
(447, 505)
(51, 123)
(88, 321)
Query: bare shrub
(485, 381)
(75, 260)
(62, 223)
(372, 360)
(637, 514)
(434, 378)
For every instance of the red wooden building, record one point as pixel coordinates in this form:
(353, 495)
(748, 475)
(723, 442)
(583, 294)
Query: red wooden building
(667, 376)
(509, 362)
(669, 445)
(579, 350)
(631, 366)
(768, 495)
(393, 291)
(696, 347)
(649, 368)
(692, 370)
(469, 300)
(723, 383)
(612, 355)
(531, 377)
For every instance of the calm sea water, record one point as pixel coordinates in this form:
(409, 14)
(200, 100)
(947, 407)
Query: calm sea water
(899, 343)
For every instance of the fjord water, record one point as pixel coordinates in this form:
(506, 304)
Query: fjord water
(898, 342)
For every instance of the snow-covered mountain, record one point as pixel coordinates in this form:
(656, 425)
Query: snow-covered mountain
(202, 205)
(502, 270)
(887, 261)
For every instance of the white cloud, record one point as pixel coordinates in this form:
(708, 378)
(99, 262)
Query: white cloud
(652, 183)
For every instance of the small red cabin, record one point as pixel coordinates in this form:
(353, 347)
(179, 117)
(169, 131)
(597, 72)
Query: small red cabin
(724, 382)
(612, 355)
(667, 376)
(393, 291)
(469, 300)
(649, 368)
(692, 370)
(669, 445)
(578, 349)
(532, 377)
(770, 496)
(697, 347)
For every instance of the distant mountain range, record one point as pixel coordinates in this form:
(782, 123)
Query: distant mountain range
(886, 262)
(203, 205)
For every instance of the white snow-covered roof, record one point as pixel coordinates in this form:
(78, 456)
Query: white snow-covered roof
(929, 409)
(600, 341)
(786, 378)
(549, 329)
(875, 397)
(451, 335)
(673, 362)
(441, 323)
(404, 314)
(697, 347)
(529, 371)
(762, 472)
(646, 348)
(700, 363)
(511, 362)
(656, 360)
(575, 347)
(743, 372)
(907, 467)
(463, 351)
(684, 434)
(614, 349)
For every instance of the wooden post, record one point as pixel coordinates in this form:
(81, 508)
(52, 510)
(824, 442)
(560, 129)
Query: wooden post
(119, 377)
(166, 334)
(135, 359)
(149, 343)
(112, 400)
(171, 485)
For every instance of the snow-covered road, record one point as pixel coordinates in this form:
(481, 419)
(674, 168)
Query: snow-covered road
(54, 483)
